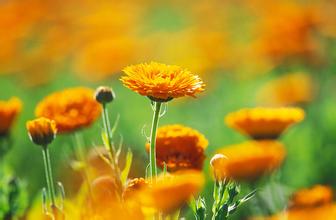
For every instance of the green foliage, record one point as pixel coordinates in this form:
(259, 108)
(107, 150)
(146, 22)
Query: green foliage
(225, 201)
(13, 196)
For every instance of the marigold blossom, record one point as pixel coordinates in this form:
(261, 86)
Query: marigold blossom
(290, 89)
(42, 131)
(71, 109)
(179, 147)
(264, 123)
(314, 196)
(170, 192)
(161, 82)
(251, 160)
(8, 113)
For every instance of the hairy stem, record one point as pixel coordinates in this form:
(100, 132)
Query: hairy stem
(48, 173)
(152, 151)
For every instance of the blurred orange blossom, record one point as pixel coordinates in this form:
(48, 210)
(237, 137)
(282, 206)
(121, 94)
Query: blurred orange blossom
(264, 123)
(71, 109)
(9, 111)
(250, 160)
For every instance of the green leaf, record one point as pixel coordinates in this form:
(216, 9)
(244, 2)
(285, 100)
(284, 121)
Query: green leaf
(125, 171)
(192, 204)
(248, 196)
(105, 140)
(115, 125)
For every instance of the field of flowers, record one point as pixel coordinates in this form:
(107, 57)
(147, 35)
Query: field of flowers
(167, 110)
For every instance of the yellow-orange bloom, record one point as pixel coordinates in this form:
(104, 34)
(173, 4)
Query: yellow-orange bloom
(250, 160)
(179, 147)
(315, 196)
(42, 131)
(71, 109)
(8, 113)
(290, 89)
(170, 192)
(325, 212)
(161, 82)
(280, 39)
(264, 123)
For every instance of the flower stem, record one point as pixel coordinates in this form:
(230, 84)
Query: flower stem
(111, 148)
(48, 173)
(107, 129)
(152, 150)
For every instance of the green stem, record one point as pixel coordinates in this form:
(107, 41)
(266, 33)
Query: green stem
(152, 151)
(107, 129)
(111, 148)
(48, 173)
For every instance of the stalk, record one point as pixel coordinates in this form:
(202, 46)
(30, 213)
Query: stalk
(152, 150)
(48, 173)
(111, 149)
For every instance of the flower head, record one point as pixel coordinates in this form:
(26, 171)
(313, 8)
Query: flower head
(161, 82)
(290, 89)
(71, 109)
(179, 147)
(170, 192)
(8, 112)
(41, 131)
(312, 197)
(104, 94)
(264, 123)
(250, 160)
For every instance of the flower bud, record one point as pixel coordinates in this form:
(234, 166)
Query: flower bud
(217, 162)
(104, 94)
(41, 131)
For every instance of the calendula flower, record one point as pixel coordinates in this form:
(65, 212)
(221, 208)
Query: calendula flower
(179, 147)
(290, 89)
(104, 190)
(133, 186)
(280, 39)
(251, 160)
(170, 192)
(312, 197)
(264, 123)
(42, 131)
(8, 113)
(161, 82)
(71, 109)
(325, 212)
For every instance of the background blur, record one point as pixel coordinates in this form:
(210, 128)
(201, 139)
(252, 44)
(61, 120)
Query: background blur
(249, 53)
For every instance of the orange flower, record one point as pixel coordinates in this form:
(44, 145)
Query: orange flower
(315, 196)
(280, 39)
(325, 212)
(8, 113)
(314, 203)
(71, 109)
(264, 123)
(179, 147)
(250, 160)
(170, 192)
(42, 131)
(290, 89)
(162, 82)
